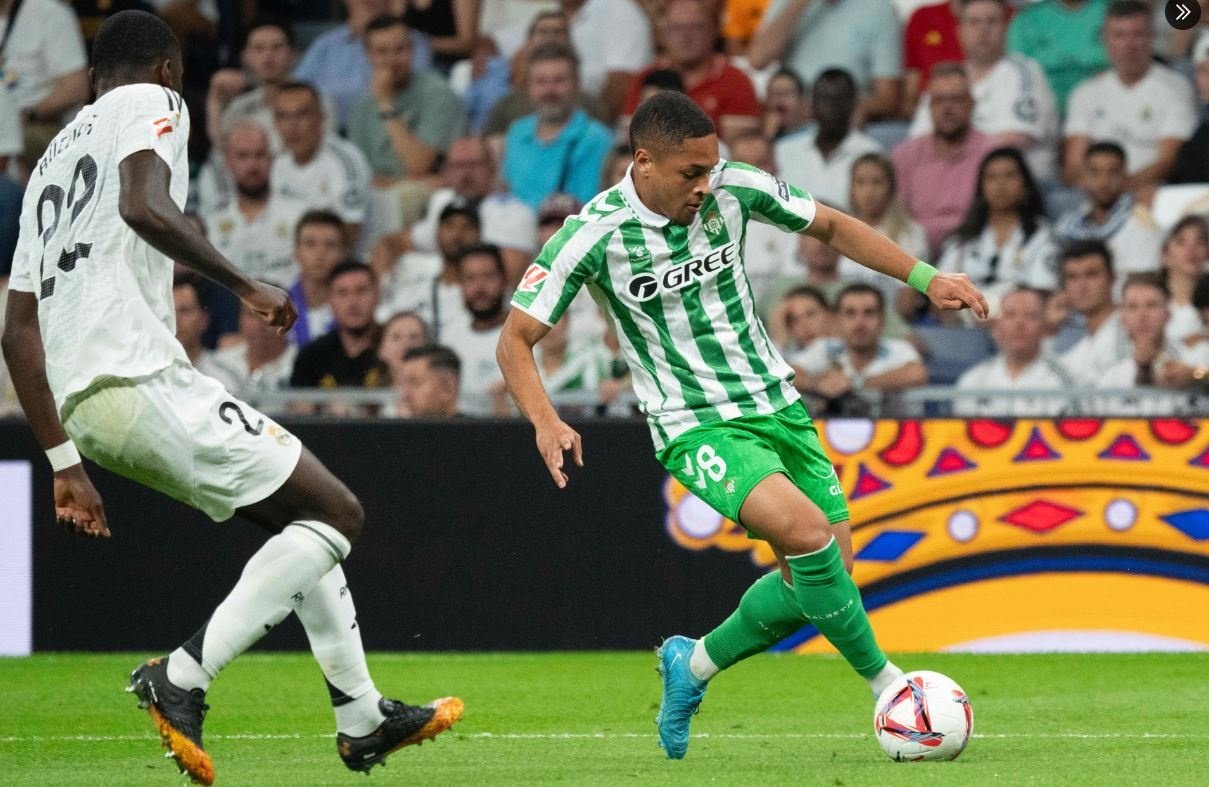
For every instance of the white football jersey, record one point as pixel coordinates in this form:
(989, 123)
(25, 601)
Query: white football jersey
(105, 295)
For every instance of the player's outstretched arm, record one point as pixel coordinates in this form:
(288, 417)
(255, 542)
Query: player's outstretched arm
(146, 205)
(77, 504)
(514, 353)
(860, 242)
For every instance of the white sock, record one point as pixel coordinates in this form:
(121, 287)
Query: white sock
(330, 619)
(881, 680)
(700, 664)
(273, 583)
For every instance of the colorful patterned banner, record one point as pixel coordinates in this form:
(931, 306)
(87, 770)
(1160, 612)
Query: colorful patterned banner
(1032, 535)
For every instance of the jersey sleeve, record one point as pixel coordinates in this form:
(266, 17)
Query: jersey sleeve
(24, 278)
(566, 262)
(768, 198)
(152, 118)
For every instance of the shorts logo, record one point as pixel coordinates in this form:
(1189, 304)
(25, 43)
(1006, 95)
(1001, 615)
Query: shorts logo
(531, 281)
(729, 486)
(644, 286)
(280, 435)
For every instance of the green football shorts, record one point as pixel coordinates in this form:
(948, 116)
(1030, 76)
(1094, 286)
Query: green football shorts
(722, 461)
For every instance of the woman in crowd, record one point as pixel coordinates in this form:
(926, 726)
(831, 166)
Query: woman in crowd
(1005, 241)
(1185, 255)
(402, 332)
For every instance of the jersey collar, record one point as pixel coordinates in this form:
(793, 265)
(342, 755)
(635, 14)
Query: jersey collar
(630, 195)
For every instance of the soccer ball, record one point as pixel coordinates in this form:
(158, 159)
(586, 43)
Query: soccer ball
(923, 716)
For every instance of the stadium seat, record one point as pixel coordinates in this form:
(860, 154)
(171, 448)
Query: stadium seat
(952, 350)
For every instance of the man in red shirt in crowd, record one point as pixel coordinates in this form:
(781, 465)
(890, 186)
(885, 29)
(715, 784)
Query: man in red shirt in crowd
(929, 38)
(687, 39)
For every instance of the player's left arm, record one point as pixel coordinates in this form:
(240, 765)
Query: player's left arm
(78, 505)
(860, 242)
(145, 203)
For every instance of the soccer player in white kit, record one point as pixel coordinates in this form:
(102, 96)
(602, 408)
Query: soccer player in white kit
(89, 339)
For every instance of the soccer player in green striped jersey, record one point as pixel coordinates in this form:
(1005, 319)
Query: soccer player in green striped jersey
(663, 253)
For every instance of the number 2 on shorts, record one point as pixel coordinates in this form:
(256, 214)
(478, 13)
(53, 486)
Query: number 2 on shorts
(708, 463)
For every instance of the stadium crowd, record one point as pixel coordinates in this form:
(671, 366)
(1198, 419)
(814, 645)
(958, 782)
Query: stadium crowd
(396, 164)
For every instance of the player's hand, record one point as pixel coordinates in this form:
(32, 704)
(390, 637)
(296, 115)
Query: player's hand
(955, 291)
(78, 506)
(553, 441)
(273, 305)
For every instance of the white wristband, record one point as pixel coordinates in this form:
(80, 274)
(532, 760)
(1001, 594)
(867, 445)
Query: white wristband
(63, 456)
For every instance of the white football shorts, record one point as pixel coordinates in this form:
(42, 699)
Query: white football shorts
(181, 433)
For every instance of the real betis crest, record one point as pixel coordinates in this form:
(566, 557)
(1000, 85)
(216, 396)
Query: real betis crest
(712, 223)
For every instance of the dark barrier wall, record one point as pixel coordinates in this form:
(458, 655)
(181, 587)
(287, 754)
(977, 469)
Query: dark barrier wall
(468, 545)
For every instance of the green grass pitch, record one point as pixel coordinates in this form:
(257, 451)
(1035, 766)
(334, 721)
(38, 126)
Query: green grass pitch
(586, 718)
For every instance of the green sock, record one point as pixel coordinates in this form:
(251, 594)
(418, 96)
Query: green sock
(767, 614)
(832, 602)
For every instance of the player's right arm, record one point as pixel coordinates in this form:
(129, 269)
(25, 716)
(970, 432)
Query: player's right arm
(569, 259)
(514, 353)
(146, 205)
(77, 503)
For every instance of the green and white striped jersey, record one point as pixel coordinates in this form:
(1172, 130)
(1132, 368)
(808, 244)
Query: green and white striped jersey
(678, 296)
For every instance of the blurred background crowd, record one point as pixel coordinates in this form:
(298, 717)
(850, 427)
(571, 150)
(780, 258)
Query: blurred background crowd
(396, 165)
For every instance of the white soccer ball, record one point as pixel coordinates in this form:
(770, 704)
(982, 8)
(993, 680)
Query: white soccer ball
(923, 716)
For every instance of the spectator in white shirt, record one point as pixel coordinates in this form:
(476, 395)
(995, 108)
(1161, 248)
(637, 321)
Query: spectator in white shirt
(861, 357)
(820, 157)
(1020, 364)
(261, 361)
(1145, 106)
(427, 282)
(1013, 102)
(315, 167)
(1144, 313)
(613, 40)
(1184, 260)
(873, 198)
(1086, 273)
(471, 177)
(1110, 213)
(801, 317)
(254, 228)
(1004, 241)
(480, 271)
(44, 69)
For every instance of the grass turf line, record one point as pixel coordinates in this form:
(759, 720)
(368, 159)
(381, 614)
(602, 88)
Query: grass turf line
(585, 718)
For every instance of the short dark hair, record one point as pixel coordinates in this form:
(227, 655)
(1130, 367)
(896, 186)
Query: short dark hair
(271, 21)
(551, 51)
(410, 315)
(438, 357)
(324, 217)
(351, 266)
(840, 77)
(130, 40)
(666, 119)
(457, 208)
(1121, 9)
(861, 288)
(807, 291)
(792, 76)
(485, 249)
(295, 85)
(384, 22)
(1042, 295)
(1147, 279)
(190, 280)
(664, 79)
(551, 14)
(1085, 248)
(1105, 147)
